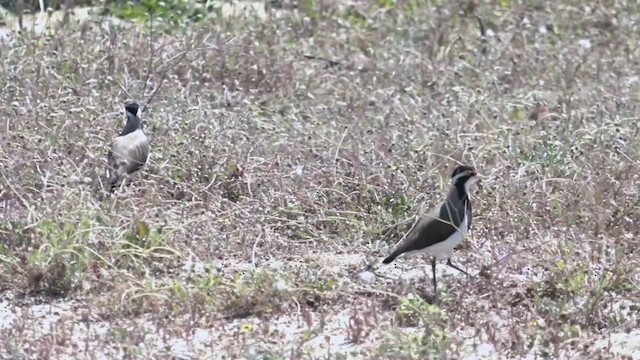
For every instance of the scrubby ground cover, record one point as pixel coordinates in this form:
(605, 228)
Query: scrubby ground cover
(278, 182)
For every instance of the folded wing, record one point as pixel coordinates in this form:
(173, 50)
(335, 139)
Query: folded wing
(429, 230)
(128, 154)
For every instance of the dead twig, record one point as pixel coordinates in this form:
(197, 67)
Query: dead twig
(152, 52)
(483, 35)
(330, 63)
(177, 59)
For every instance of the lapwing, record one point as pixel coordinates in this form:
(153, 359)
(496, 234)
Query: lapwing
(129, 150)
(444, 227)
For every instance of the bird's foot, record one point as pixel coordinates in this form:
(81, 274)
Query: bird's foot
(449, 263)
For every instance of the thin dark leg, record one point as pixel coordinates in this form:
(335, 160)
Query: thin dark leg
(433, 270)
(457, 268)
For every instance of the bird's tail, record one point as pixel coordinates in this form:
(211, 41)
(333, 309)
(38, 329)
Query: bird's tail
(390, 258)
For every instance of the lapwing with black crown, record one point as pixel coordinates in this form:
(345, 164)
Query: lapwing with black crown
(442, 229)
(129, 150)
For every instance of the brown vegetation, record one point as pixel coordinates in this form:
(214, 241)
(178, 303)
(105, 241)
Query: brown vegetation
(263, 213)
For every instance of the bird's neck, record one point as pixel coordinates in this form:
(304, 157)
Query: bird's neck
(461, 192)
(133, 124)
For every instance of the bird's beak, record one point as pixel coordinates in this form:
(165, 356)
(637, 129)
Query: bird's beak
(478, 177)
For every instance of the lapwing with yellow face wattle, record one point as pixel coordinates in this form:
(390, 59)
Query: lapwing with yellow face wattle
(443, 228)
(129, 150)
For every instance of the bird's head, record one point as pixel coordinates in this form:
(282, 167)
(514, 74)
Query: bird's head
(464, 175)
(133, 121)
(131, 109)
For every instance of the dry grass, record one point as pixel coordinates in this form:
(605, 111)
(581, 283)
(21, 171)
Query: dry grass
(258, 229)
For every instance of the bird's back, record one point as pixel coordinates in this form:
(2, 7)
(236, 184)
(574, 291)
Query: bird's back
(129, 152)
(127, 155)
(435, 227)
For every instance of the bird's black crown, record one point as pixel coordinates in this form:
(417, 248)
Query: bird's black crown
(461, 170)
(132, 108)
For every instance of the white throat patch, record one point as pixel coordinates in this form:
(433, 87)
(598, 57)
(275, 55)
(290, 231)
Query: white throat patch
(467, 186)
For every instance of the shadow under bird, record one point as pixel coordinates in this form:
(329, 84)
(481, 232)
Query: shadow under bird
(129, 150)
(444, 227)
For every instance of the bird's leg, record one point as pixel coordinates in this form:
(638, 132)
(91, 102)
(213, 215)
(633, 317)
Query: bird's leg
(122, 185)
(433, 270)
(449, 263)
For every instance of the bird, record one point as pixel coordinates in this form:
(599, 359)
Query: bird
(129, 151)
(444, 227)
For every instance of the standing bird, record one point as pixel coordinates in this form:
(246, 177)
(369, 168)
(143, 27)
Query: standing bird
(444, 227)
(129, 150)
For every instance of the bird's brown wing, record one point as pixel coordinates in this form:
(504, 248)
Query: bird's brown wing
(138, 156)
(432, 228)
(129, 153)
(429, 229)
